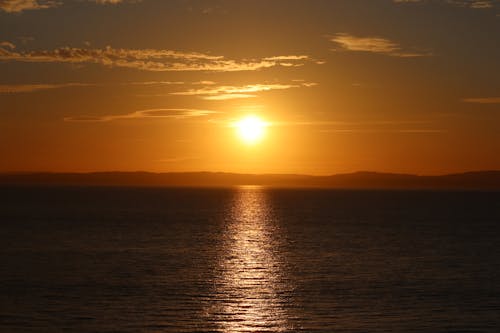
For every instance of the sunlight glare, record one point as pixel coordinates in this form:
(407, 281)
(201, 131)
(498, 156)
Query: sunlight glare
(251, 129)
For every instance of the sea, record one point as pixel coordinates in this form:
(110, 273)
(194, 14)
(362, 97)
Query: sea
(248, 259)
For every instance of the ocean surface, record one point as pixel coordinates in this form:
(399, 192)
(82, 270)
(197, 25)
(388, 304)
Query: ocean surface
(248, 259)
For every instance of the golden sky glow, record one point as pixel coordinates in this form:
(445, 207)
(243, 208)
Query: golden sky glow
(335, 86)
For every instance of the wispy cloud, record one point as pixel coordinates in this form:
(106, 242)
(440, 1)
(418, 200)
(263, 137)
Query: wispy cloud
(483, 100)
(32, 87)
(288, 57)
(17, 6)
(475, 4)
(225, 97)
(378, 126)
(233, 92)
(481, 4)
(401, 131)
(205, 83)
(25, 88)
(354, 123)
(154, 83)
(7, 45)
(104, 2)
(339, 126)
(380, 45)
(142, 59)
(149, 114)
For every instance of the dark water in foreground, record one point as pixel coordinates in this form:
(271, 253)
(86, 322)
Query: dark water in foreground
(248, 260)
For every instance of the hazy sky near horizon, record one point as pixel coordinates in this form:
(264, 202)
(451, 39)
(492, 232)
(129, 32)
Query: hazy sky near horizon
(407, 86)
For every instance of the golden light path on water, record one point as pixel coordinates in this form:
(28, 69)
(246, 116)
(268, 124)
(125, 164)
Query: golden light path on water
(251, 288)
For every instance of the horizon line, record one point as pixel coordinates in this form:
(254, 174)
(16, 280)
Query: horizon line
(3, 173)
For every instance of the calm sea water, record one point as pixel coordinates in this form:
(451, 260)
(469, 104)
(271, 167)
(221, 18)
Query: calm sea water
(248, 260)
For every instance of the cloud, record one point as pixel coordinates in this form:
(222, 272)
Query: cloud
(484, 100)
(104, 2)
(475, 4)
(26, 88)
(288, 57)
(206, 83)
(148, 114)
(154, 83)
(225, 97)
(374, 45)
(233, 92)
(378, 126)
(357, 124)
(482, 4)
(338, 126)
(17, 6)
(8, 45)
(293, 60)
(401, 131)
(215, 93)
(141, 59)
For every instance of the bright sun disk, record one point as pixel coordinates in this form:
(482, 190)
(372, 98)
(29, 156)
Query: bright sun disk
(251, 129)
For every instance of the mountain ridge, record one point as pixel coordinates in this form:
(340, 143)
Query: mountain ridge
(471, 180)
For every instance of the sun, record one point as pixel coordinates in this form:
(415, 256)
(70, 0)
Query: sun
(251, 129)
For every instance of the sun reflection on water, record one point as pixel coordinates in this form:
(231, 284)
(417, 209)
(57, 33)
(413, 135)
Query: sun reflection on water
(251, 288)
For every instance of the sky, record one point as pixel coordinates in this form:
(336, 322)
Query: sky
(403, 86)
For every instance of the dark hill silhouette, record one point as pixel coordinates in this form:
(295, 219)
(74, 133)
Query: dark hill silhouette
(480, 180)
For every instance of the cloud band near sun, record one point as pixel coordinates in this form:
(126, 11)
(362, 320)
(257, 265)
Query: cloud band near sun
(147, 114)
(157, 60)
(234, 92)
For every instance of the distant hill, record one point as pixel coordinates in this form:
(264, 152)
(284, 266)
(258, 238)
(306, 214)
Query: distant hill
(480, 180)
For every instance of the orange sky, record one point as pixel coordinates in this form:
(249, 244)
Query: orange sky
(347, 85)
